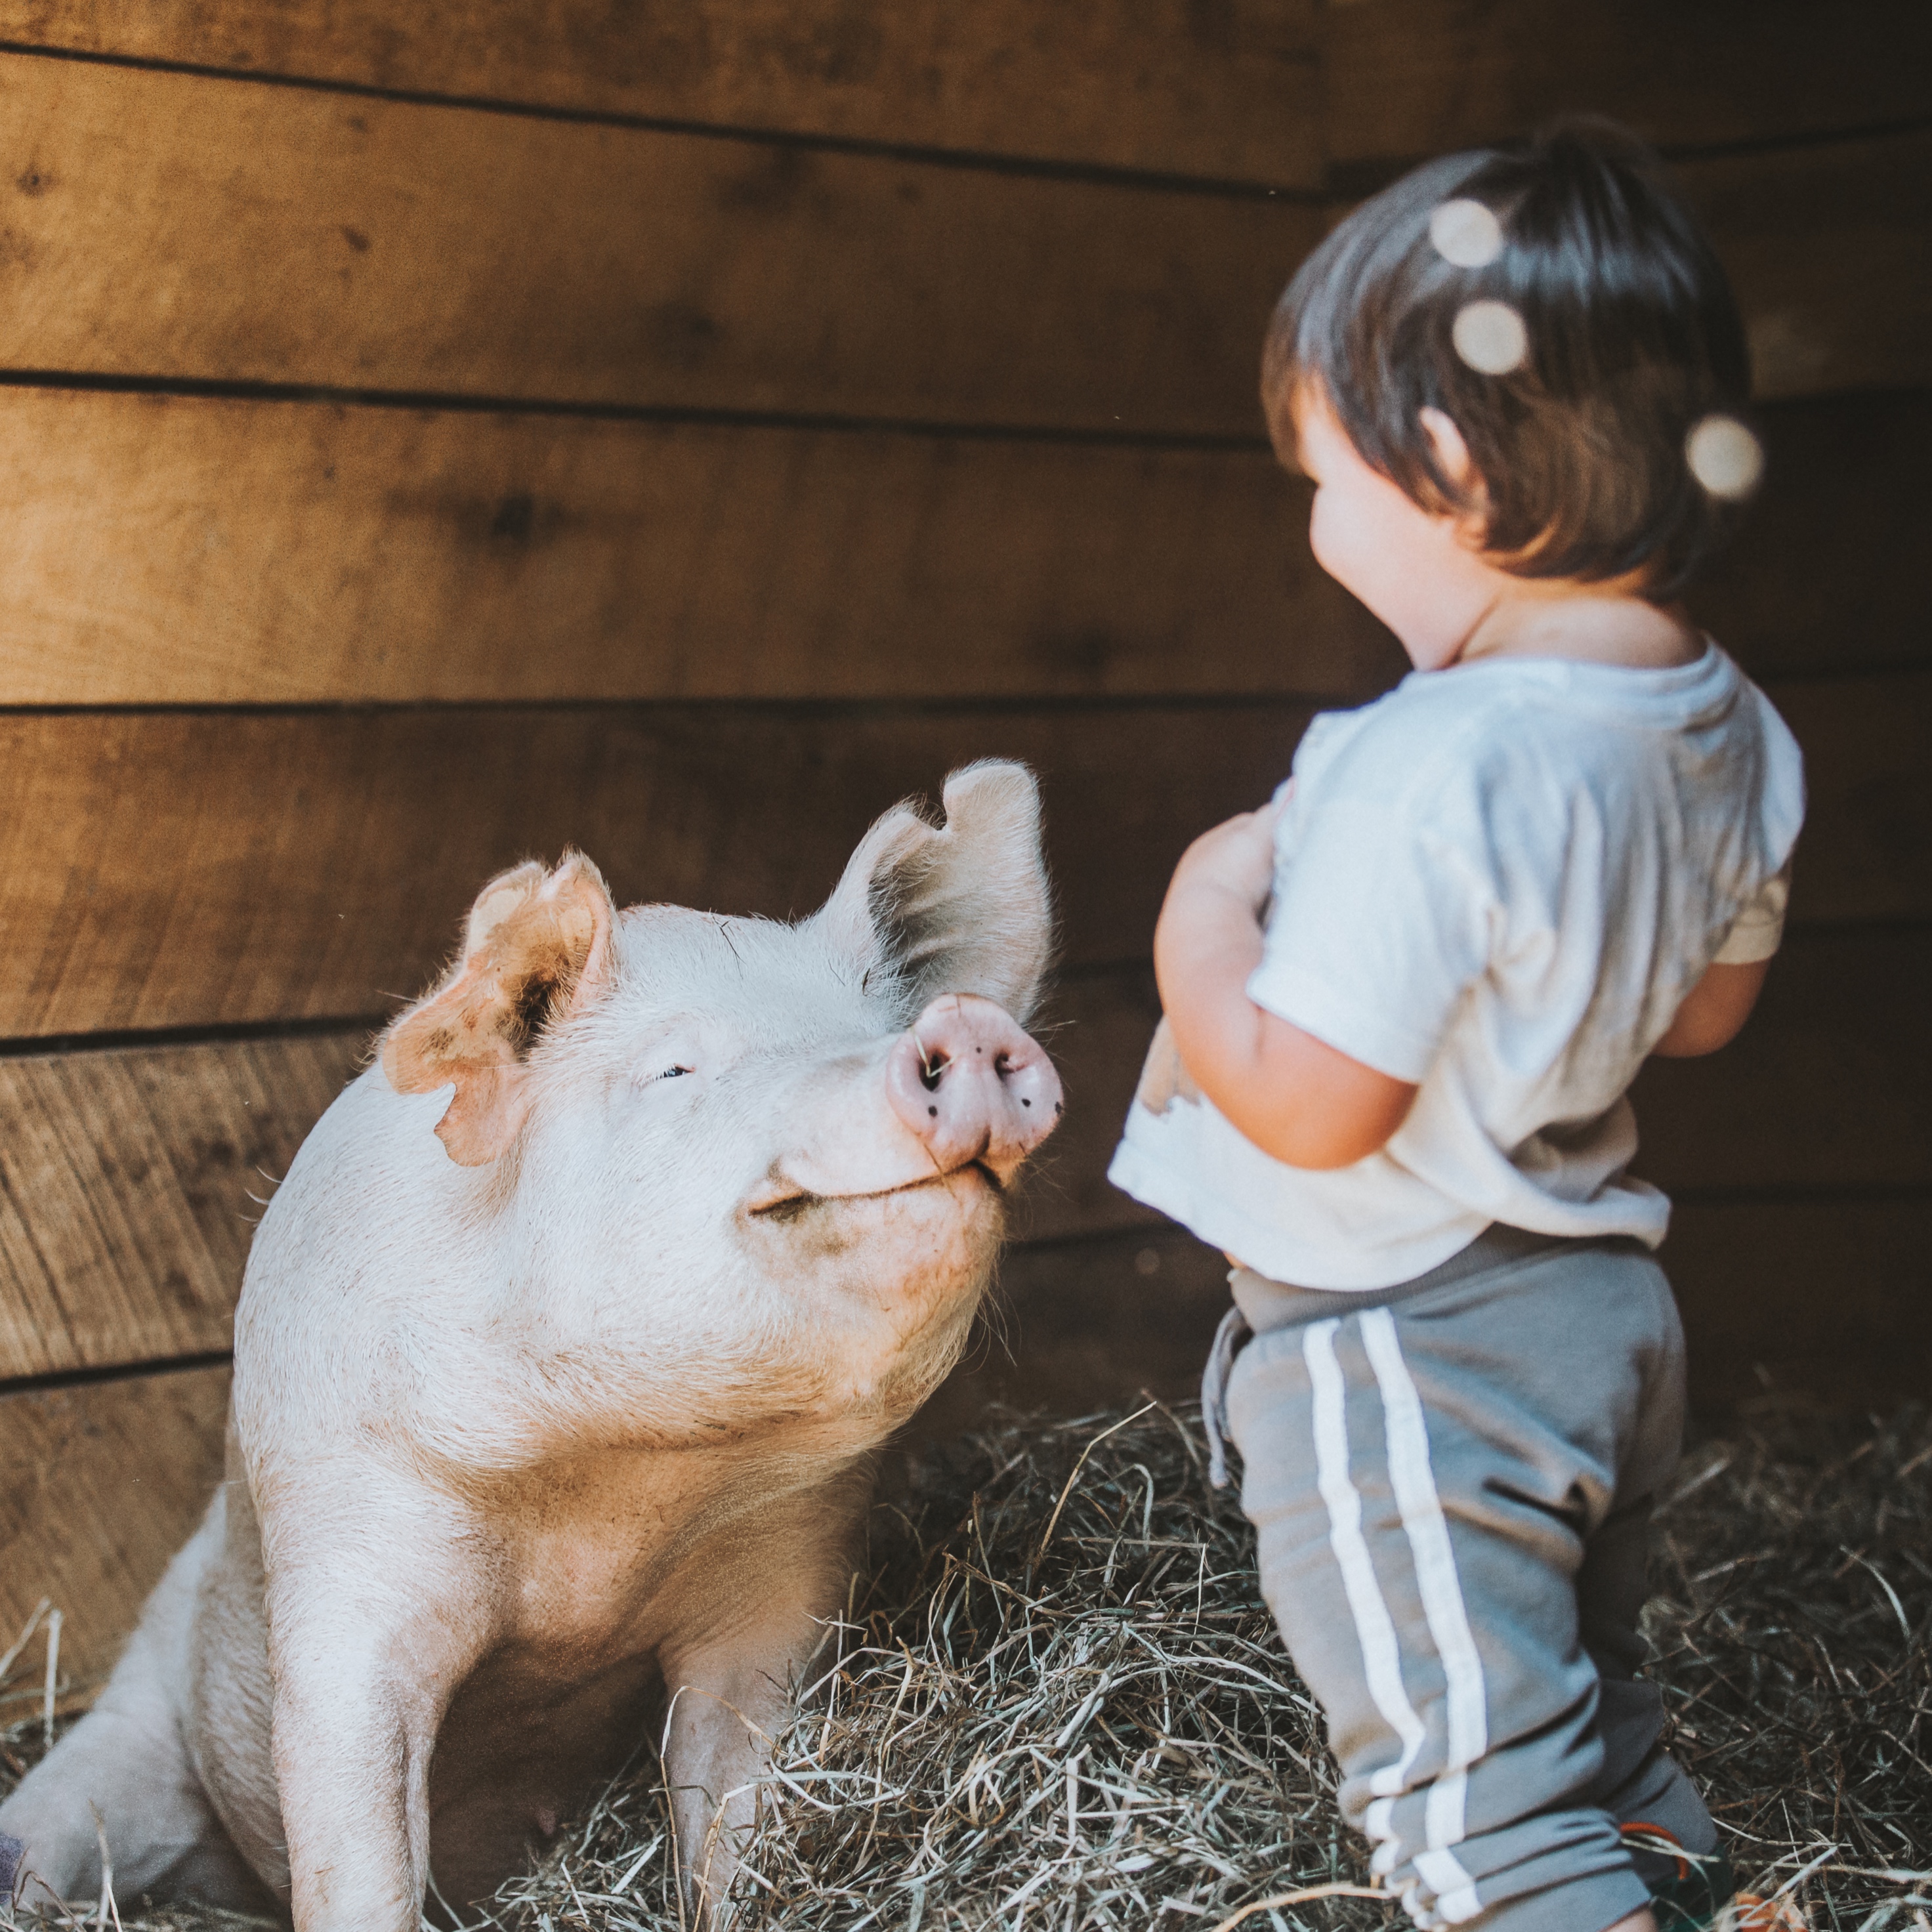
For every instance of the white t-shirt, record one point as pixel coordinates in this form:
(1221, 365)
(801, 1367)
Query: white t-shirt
(1499, 881)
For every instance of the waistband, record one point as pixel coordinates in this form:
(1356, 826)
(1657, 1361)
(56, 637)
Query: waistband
(1268, 1303)
(1261, 1304)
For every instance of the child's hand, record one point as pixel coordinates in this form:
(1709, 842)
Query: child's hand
(1236, 858)
(1296, 1097)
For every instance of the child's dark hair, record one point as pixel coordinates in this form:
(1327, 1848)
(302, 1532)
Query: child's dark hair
(1632, 339)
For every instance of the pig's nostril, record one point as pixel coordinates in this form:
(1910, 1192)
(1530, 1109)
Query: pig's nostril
(932, 1066)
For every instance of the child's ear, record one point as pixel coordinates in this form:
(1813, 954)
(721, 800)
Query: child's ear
(1455, 464)
(1452, 453)
(1283, 405)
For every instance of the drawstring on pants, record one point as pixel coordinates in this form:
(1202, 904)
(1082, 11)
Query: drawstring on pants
(1229, 1338)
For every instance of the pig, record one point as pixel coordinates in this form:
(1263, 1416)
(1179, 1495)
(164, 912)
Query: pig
(560, 1360)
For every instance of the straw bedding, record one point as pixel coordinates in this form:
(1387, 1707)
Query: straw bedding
(1057, 1702)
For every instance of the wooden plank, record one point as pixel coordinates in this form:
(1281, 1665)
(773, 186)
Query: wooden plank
(129, 1180)
(1075, 1326)
(1817, 579)
(188, 868)
(104, 1483)
(1816, 1094)
(191, 868)
(1258, 90)
(1863, 854)
(1830, 1297)
(1229, 89)
(131, 1177)
(1790, 225)
(1825, 1088)
(126, 1175)
(1402, 79)
(1096, 1025)
(184, 551)
(179, 227)
(198, 550)
(226, 231)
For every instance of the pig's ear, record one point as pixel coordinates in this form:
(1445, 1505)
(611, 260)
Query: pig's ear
(963, 907)
(537, 946)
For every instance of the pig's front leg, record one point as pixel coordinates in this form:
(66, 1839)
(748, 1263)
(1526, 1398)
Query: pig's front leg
(367, 1643)
(732, 1682)
(730, 1701)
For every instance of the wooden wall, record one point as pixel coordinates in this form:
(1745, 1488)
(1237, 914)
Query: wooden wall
(430, 435)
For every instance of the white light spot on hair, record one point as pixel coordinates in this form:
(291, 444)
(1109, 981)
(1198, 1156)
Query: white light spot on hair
(1724, 457)
(1490, 336)
(1466, 234)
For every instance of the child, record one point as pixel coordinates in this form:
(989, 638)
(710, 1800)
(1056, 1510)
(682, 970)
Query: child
(1395, 1094)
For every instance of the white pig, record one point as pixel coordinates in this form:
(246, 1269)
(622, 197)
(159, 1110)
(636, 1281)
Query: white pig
(554, 1400)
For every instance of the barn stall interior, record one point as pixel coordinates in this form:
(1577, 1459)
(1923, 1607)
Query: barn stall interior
(435, 436)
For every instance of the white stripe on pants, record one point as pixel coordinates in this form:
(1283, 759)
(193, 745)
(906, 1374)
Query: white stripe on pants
(1414, 1483)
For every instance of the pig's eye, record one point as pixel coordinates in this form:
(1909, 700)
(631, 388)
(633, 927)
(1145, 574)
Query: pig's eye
(670, 1073)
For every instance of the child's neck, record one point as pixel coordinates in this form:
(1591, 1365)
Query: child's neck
(1591, 623)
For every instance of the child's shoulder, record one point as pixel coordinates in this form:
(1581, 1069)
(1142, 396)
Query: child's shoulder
(1435, 729)
(1542, 734)
(1522, 713)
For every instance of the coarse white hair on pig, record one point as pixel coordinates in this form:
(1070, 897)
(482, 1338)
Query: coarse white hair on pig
(558, 1362)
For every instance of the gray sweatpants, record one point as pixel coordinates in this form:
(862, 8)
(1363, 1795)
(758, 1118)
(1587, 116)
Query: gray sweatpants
(1452, 1480)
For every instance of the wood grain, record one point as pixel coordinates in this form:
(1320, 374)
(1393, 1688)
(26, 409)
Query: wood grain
(197, 869)
(199, 550)
(130, 1181)
(1227, 89)
(176, 550)
(1402, 79)
(1867, 838)
(224, 231)
(1827, 1299)
(1824, 1090)
(190, 869)
(1852, 216)
(1831, 1298)
(1074, 1326)
(129, 1178)
(1818, 580)
(1260, 90)
(173, 226)
(104, 1483)
(1096, 1026)
(196, 551)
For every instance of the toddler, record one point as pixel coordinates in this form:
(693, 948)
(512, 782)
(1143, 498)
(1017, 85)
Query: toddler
(1404, 1006)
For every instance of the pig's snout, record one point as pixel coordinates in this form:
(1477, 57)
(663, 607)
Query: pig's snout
(973, 1085)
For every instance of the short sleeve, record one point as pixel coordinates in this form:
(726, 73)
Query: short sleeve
(1379, 927)
(1759, 928)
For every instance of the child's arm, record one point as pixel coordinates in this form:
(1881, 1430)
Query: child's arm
(1714, 1010)
(1295, 1097)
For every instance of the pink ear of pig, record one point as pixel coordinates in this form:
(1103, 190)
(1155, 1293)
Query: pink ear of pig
(537, 945)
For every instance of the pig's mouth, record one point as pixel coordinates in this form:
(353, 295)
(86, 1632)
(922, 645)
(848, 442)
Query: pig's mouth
(781, 1199)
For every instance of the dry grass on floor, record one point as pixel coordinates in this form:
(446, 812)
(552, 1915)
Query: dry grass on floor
(1061, 1705)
